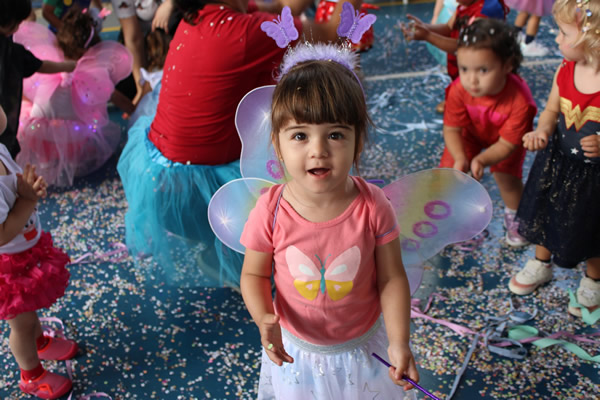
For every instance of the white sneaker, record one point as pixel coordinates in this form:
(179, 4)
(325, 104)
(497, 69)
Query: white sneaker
(533, 49)
(588, 295)
(534, 274)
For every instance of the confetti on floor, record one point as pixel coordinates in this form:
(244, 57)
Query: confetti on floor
(142, 339)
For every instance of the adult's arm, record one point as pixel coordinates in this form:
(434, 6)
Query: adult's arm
(48, 14)
(162, 16)
(134, 41)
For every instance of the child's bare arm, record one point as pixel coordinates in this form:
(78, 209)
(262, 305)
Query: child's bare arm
(53, 67)
(122, 102)
(394, 294)
(538, 139)
(453, 140)
(256, 291)
(497, 152)
(30, 188)
(436, 34)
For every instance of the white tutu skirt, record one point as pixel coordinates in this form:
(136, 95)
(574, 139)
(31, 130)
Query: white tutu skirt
(343, 372)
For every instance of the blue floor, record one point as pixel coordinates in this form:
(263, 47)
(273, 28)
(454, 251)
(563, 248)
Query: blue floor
(141, 339)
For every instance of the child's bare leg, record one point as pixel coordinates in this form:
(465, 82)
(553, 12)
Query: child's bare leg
(542, 253)
(511, 189)
(533, 24)
(521, 19)
(25, 328)
(593, 268)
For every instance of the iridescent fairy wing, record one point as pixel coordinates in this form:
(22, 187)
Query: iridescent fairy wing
(40, 41)
(230, 207)
(434, 208)
(95, 77)
(253, 122)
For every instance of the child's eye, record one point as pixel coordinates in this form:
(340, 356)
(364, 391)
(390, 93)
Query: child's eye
(483, 70)
(336, 135)
(299, 136)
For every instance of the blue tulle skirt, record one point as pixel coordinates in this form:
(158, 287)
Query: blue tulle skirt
(167, 216)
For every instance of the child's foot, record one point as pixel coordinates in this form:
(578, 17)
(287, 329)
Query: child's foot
(47, 386)
(534, 49)
(58, 349)
(588, 295)
(534, 274)
(512, 230)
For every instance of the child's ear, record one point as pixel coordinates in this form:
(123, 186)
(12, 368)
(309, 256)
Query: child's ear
(275, 144)
(508, 66)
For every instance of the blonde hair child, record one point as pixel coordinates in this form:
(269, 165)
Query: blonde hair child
(558, 211)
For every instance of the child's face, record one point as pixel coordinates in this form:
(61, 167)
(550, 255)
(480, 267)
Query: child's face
(566, 38)
(318, 157)
(481, 72)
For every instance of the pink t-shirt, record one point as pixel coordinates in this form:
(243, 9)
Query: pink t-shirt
(324, 272)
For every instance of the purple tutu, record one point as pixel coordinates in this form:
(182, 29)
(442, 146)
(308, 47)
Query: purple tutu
(534, 7)
(32, 279)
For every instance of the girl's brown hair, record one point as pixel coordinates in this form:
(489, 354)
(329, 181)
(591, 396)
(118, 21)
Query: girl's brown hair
(157, 47)
(496, 35)
(317, 92)
(74, 33)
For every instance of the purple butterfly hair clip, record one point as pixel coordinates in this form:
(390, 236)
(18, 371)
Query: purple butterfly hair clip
(354, 24)
(282, 29)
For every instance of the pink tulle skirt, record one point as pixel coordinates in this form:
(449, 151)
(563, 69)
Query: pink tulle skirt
(534, 7)
(64, 149)
(32, 279)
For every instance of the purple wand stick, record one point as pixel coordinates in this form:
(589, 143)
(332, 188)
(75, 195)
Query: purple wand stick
(406, 378)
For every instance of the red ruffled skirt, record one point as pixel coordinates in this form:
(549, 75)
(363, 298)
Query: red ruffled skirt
(32, 279)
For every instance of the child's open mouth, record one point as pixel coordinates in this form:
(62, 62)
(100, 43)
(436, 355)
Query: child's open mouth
(318, 171)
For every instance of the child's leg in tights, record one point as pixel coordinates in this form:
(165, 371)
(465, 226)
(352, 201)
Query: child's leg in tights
(511, 190)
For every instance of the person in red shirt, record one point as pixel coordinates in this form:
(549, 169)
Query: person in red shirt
(490, 108)
(173, 164)
(445, 36)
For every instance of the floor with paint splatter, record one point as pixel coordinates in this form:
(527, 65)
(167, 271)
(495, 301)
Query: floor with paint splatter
(141, 339)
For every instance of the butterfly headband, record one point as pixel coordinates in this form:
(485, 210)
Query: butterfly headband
(353, 25)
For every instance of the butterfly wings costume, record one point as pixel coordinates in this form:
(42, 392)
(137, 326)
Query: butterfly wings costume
(65, 129)
(325, 272)
(433, 208)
